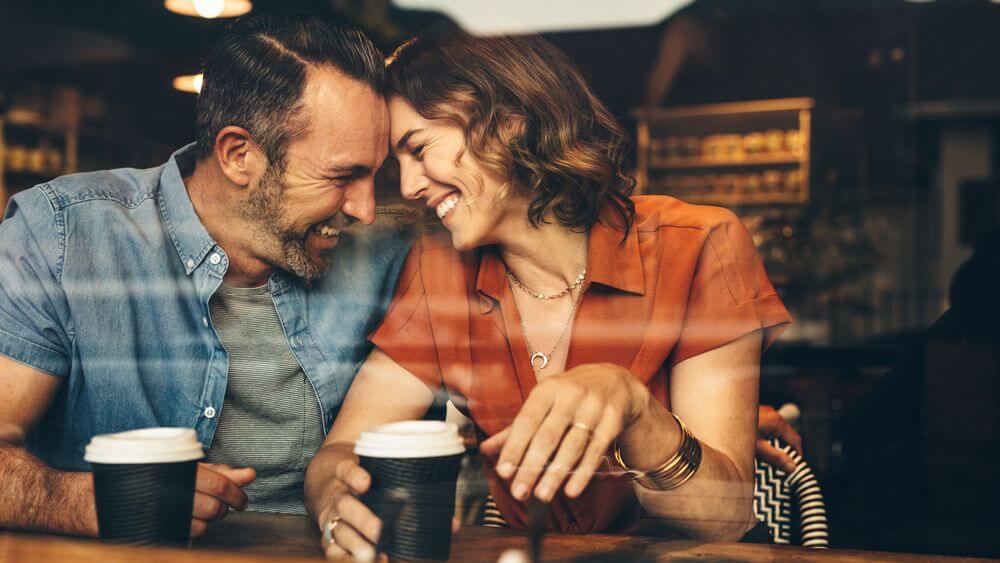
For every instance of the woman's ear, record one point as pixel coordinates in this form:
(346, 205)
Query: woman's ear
(240, 159)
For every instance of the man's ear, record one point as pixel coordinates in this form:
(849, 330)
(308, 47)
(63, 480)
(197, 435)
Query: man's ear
(238, 156)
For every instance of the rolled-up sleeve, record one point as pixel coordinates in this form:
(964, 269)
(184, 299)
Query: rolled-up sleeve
(731, 294)
(405, 333)
(33, 309)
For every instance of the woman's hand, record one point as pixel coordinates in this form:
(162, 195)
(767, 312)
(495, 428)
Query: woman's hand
(571, 419)
(347, 525)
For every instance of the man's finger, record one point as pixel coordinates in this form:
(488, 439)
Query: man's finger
(774, 456)
(198, 527)
(208, 508)
(242, 476)
(221, 487)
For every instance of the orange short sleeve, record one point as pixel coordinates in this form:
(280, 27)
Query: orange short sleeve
(405, 333)
(731, 295)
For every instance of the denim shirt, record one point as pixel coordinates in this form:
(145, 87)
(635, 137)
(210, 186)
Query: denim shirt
(105, 281)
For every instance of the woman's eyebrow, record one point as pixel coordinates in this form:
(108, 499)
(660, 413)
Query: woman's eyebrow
(401, 143)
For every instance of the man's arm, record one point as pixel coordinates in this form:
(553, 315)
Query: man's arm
(33, 496)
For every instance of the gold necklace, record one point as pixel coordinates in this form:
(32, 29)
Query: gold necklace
(517, 282)
(569, 321)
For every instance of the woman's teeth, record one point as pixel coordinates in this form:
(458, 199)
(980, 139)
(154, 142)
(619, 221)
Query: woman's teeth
(447, 205)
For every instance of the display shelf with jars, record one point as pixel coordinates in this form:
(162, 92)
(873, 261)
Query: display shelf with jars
(741, 153)
(39, 139)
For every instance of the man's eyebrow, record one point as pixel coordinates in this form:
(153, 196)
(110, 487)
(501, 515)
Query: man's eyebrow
(401, 144)
(352, 169)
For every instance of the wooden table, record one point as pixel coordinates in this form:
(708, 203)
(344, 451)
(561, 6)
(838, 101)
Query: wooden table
(257, 537)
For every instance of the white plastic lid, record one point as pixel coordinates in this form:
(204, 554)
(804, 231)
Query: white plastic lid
(148, 445)
(411, 439)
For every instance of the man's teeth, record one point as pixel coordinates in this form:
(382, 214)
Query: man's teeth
(327, 231)
(447, 205)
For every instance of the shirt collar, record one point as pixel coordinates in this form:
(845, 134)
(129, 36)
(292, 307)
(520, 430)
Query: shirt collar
(189, 236)
(610, 260)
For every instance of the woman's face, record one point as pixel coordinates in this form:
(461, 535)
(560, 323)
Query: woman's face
(466, 196)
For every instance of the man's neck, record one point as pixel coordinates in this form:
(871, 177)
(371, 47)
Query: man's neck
(216, 201)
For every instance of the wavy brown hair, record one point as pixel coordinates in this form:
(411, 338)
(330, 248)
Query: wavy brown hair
(528, 115)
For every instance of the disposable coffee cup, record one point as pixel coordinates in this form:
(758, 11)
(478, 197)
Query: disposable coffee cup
(144, 484)
(414, 467)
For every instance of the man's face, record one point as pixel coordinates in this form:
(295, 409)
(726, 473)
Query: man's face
(296, 214)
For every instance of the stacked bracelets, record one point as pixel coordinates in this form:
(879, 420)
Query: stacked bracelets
(674, 472)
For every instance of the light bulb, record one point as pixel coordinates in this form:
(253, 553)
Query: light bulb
(209, 8)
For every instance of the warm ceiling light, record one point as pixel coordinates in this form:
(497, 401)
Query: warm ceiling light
(189, 83)
(209, 8)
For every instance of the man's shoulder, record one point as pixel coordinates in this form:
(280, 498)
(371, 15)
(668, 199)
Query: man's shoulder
(128, 187)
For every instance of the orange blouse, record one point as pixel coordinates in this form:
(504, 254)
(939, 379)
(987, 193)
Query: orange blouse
(685, 279)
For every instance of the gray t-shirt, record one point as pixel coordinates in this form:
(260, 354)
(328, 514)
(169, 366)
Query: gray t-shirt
(270, 419)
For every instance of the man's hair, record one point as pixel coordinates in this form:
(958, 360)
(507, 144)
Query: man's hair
(256, 73)
(527, 114)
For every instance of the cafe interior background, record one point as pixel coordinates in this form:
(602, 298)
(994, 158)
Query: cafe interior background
(858, 140)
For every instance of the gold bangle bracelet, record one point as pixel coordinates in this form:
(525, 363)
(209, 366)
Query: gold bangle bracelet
(675, 471)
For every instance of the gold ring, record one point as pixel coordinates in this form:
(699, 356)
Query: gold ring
(329, 528)
(583, 427)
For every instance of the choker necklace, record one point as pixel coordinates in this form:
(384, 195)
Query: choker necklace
(516, 282)
(542, 357)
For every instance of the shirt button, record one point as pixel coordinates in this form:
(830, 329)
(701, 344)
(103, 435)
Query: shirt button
(215, 259)
(190, 264)
(210, 412)
(204, 321)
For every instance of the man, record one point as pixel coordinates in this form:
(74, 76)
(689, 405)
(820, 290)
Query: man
(224, 291)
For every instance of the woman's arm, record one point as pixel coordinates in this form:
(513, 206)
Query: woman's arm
(715, 394)
(570, 421)
(382, 392)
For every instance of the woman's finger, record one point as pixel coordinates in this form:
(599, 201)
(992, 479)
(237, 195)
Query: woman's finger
(543, 445)
(571, 449)
(607, 430)
(353, 543)
(524, 427)
(353, 512)
(492, 445)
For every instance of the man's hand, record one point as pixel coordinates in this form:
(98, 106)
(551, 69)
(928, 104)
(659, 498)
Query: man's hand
(771, 425)
(217, 489)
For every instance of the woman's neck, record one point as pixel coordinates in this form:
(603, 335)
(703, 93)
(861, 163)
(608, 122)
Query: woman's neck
(548, 258)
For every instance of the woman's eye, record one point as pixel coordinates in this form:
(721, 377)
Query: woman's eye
(418, 151)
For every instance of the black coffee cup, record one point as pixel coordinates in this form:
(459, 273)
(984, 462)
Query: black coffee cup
(414, 467)
(144, 484)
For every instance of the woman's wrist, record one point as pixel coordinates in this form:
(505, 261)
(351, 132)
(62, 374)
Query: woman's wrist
(651, 439)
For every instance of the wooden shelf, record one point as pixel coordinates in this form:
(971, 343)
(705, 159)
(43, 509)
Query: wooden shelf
(694, 126)
(722, 162)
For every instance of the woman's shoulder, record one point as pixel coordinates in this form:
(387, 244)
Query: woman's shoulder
(656, 212)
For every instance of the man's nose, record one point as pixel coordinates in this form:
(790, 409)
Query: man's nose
(360, 204)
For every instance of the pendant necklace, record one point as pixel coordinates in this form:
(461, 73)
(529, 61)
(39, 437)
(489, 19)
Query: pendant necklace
(541, 359)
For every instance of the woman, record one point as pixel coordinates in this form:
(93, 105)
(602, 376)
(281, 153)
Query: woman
(572, 323)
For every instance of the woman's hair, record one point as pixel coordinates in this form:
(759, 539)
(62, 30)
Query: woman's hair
(528, 116)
